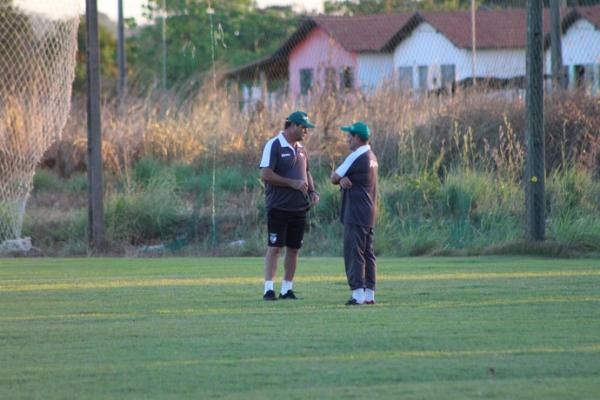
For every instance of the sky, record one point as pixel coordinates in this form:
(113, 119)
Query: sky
(57, 8)
(133, 8)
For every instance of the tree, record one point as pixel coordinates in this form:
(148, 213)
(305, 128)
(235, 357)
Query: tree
(365, 7)
(242, 33)
(108, 59)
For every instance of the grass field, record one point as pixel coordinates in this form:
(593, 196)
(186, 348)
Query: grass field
(443, 328)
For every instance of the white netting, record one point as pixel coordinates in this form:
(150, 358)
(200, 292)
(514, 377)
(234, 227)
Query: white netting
(38, 43)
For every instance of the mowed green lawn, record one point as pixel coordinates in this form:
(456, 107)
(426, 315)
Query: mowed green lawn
(443, 328)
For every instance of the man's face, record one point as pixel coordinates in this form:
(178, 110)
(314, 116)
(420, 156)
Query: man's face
(353, 141)
(300, 132)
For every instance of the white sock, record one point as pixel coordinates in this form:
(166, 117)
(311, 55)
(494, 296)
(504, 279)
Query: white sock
(359, 295)
(268, 286)
(285, 286)
(369, 295)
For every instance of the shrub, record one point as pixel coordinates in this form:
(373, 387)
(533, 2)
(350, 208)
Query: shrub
(450, 169)
(186, 177)
(77, 184)
(45, 180)
(328, 210)
(571, 190)
(575, 231)
(57, 232)
(409, 195)
(146, 169)
(147, 212)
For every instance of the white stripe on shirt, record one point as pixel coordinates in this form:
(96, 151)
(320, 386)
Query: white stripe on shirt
(343, 169)
(266, 156)
(284, 143)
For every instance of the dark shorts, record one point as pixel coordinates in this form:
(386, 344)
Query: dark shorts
(285, 228)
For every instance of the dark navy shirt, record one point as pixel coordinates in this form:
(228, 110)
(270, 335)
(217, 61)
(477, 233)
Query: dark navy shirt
(359, 203)
(288, 162)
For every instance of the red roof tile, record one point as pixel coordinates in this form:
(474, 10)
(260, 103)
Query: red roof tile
(592, 14)
(363, 33)
(495, 29)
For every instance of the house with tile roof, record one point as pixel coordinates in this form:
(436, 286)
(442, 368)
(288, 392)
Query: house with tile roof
(500, 47)
(419, 51)
(438, 51)
(343, 52)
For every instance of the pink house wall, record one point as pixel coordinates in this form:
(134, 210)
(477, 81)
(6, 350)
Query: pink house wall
(318, 51)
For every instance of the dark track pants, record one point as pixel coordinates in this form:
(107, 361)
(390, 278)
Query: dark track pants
(359, 258)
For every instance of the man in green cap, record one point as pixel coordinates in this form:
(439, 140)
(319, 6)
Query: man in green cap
(357, 177)
(290, 192)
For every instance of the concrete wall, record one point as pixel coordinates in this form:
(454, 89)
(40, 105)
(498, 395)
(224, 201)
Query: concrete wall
(428, 47)
(374, 69)
(580, 46)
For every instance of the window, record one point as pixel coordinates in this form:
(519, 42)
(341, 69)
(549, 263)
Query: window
(448, 75)
(584, 75)
(423, 69)
(579, 76)
(306, 79)
(405, 77)
(347, 78)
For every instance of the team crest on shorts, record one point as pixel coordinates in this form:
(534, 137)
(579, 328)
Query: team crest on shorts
(272, 238)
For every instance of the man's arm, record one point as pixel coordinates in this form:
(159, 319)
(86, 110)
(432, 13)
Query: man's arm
(343, 181)
(269, 176)
(311, 184)
(312, 193)
(335, 178)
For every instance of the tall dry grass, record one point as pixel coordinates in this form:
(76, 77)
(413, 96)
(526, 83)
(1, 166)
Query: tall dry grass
(470, 129)
(450, 182)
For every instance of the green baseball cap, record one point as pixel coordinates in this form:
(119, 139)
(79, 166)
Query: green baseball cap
(300, 118)
(359, 129)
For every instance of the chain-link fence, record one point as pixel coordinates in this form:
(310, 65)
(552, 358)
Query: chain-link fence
(37, 61)
(442, 86)
(437, 85)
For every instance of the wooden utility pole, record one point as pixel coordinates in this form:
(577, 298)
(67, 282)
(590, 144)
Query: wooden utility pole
(534, 99)
(122, 85)
(473, 43)
(164, 46)
(95, 192)
(556, 46)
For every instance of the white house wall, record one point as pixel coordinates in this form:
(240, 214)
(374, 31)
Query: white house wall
(427, 46)
(580, 45)
(500, 63)
(374, 69)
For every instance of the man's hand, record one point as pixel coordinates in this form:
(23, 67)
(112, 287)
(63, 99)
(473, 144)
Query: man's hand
(314, 198)
(345, 183)
(300, 185)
